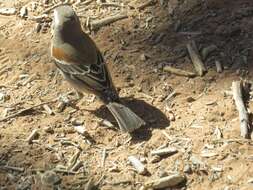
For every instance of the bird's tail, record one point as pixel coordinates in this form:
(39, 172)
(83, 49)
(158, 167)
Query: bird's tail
(127, 120)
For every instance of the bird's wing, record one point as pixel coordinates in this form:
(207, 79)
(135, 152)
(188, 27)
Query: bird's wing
(91, 71)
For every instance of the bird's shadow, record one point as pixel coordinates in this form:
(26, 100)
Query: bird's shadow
(153, 117)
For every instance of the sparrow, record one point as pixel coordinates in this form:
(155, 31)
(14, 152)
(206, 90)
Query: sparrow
(81, 63)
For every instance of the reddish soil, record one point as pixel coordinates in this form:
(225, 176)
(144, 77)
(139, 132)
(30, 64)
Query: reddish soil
(136, 49)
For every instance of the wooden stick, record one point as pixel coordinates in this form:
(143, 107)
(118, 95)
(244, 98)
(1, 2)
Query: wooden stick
(179, 72)
(25, 110)
(243, 114)
(102, 22)
(103, 157)
(195, 57)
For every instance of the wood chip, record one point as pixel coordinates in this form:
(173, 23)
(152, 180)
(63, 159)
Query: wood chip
(7, 11)
(104, 154)
(165, 151)
(77, 122)
(81, 130)
(32, 136)
(218, 66)
(61, 106)
(136, 163)
(165, 182)
(23, 12)
(48, 109)
(209, 154)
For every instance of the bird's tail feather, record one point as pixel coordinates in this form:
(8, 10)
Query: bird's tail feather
(127, 120)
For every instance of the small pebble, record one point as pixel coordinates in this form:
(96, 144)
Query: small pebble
(38, 27)
(187, 169)
(49, 129)
(50, 178)
(23, 12)
(190, 99)
(143, 57)
(76, 122)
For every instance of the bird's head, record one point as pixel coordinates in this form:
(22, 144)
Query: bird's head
(65, 18)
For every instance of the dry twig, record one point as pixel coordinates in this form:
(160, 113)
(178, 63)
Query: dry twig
(102, 22)
(243, 114)
(179, 72)
(32, 136)
(164, 151)
(25, 110)
(195, 57)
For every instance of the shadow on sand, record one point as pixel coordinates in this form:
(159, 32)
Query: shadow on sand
(153, 117)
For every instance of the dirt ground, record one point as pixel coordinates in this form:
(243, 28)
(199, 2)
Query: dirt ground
(199, 120)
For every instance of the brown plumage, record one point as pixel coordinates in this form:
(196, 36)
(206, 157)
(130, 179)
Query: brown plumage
(83, 66)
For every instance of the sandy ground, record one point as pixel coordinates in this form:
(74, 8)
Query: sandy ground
(199, 121)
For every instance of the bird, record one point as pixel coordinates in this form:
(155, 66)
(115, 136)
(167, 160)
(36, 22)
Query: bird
(81, 63)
